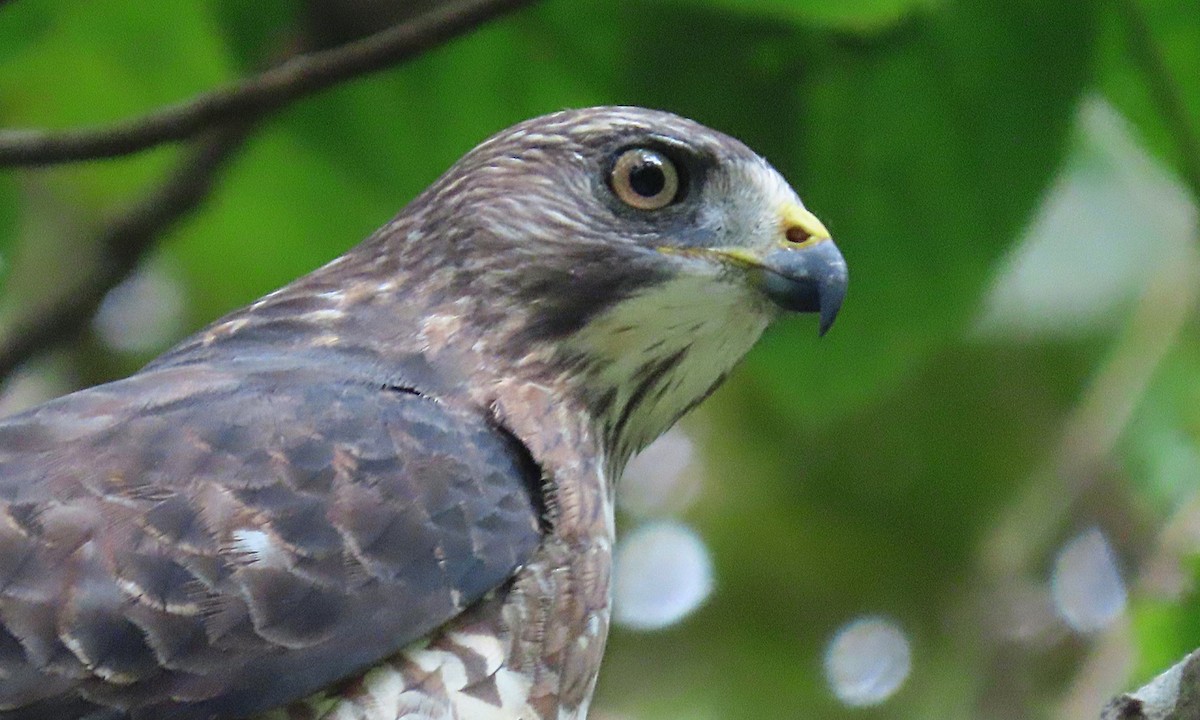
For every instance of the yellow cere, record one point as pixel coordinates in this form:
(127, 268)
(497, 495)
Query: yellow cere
(794, 215)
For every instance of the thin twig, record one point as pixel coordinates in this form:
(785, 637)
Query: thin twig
(1164, 91)
(124, 243)
(254, 97)
(226, 116)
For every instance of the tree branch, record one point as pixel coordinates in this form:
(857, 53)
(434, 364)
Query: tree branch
(124, 243)
(1174, 695)
(254, 97)
(226, 116)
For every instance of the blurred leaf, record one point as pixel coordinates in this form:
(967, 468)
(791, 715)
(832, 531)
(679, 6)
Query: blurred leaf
(880, 512)
(924, 159)
(1161, 447)
(1108, 185)
(255, 31)
(121, 59)
(9, 219)
(861, 15)
(1165, 631)
(725, 70)
(104, 60)
(1175, 31)
(410, 124)
(23, 26)
(279, 212)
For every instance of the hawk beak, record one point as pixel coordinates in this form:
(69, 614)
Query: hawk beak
(805, 273)
(810, 277)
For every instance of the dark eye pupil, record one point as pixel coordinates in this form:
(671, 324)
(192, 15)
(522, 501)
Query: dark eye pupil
(647, 179)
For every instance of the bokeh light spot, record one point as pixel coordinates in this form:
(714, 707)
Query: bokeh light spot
(664, 478)
(663, 573)
(1086, 585)
(143, 314)
(867, 661)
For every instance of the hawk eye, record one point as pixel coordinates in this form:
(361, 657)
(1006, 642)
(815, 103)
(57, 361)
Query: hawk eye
(644, 179)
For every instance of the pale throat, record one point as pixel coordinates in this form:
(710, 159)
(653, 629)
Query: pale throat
(653, 356)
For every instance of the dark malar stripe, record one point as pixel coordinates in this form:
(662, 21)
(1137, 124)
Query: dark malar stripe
(711, 389)
(650, 374)
(603, 404)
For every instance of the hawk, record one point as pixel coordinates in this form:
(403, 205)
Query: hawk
(386, 490)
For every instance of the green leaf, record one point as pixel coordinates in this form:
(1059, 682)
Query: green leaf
(1174, 27)
(854, 15)
(925, 159)
(409, 124)
(1165, 631)
(256, 32)
(9, 220)
(277, 213)
(104, 61)
(23, 25)
(1161, 446)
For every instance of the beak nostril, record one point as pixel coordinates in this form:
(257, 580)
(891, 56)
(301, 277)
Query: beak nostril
(797, 234)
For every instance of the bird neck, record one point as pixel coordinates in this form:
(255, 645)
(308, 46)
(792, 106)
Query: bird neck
(652, 357)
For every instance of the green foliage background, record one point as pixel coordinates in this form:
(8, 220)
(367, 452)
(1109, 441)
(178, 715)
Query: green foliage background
(880, 470)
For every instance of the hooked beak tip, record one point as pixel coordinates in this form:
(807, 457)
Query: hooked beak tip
(810, 279)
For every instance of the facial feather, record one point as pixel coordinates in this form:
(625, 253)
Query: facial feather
(661, 351)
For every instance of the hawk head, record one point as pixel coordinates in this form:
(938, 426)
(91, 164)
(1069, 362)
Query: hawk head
(636, 255)
(626, 257)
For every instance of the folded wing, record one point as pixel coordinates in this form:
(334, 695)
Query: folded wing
(198, 542)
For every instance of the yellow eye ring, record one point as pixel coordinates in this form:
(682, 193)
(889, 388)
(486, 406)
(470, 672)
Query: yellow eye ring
(644, 179)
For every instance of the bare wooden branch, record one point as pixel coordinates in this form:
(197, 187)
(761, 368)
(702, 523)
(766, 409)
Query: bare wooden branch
(1174, 695)
(221, 121)
(254, 97)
